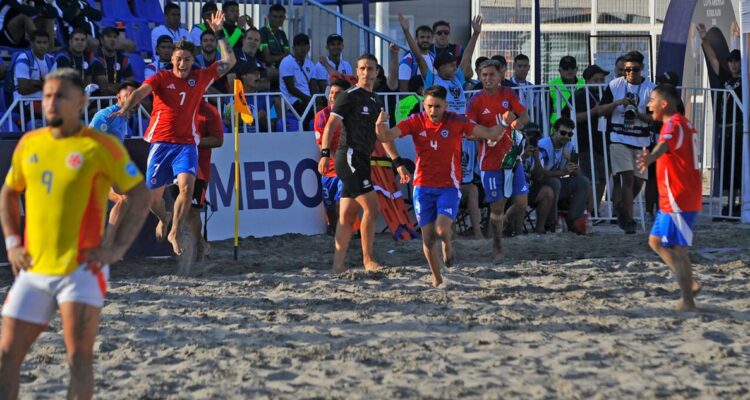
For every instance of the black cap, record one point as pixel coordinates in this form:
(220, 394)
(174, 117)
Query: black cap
(300, 38)
(164, 38)
(110, 30)
(443, 58)
(531, 127)
(334, 37)
(592, 70)
(568, 62)
(500, 59)
(734, 55)
(669, 77)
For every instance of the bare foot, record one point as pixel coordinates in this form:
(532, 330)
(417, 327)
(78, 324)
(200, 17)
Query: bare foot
(172, 238)
(437, 281)
(339, 269)
(687, 307)
(448, 261)
(696, 288)
(499, 256)
(163, 227)
(372, 266)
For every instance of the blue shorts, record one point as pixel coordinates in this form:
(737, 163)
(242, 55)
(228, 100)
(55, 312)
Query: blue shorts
(503, 184)
(331, 191)
(167, 160)
(429, 202)
(674, 229)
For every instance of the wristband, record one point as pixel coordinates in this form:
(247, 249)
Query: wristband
(325, 153)
(12, 241)
(397, 162)
(220, 35)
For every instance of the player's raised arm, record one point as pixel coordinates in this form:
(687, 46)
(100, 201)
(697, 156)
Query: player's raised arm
(227, 55)
(131, 102)
(466, 66)
(384, 133)
(413, 46)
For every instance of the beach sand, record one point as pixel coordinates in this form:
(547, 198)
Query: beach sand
(565, 317)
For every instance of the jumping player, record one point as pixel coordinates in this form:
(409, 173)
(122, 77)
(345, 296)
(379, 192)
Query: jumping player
(172, 131)
(66, 170)
(678, 174)
(500, 180)
(437, 135)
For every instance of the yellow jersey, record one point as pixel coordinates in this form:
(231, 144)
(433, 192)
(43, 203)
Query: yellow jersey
(67, 181)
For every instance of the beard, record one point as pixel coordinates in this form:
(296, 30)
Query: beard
(56, 122)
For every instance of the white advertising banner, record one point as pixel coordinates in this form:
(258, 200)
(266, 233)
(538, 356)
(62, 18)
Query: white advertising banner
(280, 191)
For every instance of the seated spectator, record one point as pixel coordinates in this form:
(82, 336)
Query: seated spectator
(410, 105)
(29, 69)
(110, 67)
(208, 9)
(171, 26)
(408, 66)
(19, 20)
(248, 54)
(234, 24)
(274, 44)
(164, 47)
(442, 34)
(296, 72)
(542, 192)
(208, 55)
(81, 15)
(334, 63)
(553, 167)
(76, 56)
(261, 104)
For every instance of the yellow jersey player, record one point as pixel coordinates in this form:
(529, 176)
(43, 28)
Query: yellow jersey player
(66, 170)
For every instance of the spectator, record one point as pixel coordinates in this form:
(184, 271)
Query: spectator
(74, 14)
(260, 104)
(521, 68)
(442, 34)
(117, 126)
(207, 11)
(274, 44)
(248, 54)
(410, 105)
(629, 132)
(164, 47)
(29, 68)
(334, 63)
(296, 72)
(542, 191)
(555, 154)
(110, 67)
(620, 67)
(207, 56)
(76, 56)
(171, 26)
(476, 84)
(561, 88)
(234, 24)
(408, 66)
(17, 21)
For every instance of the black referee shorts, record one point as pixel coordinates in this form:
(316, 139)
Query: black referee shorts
(353, 168)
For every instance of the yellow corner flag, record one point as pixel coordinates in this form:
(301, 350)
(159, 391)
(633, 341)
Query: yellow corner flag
(240, 103)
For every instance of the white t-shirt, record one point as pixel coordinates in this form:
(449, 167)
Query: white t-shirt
(408, 66)
(455, 86)
(34, 69)
(322, 74)
(176, 36)
(302, 76)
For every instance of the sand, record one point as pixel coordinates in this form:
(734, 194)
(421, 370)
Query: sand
(565, 317)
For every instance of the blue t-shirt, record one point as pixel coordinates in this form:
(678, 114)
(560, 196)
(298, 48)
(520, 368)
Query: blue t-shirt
(553, 159)
(455, 87)
(117, 126)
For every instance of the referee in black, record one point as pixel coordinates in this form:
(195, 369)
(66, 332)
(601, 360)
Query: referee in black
(357, 110)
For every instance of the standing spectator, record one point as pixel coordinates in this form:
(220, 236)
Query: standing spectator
(19, 19)
(410, 105)
(561, 88)
(442, 34)
(171, 26)
(620, 67)
(29, 68)
(629, 132)
(334, 63)
(76, 56)
(234, 24)
(476, 84)
(164, 46)
(207, 11)
(207, 56)
(274, 44)
(110, 67)
(296, 72)
(409, 66)
(521, 68)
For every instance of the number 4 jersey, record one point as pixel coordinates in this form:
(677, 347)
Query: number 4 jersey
(66, 182)
(678, 170)
(176, 104)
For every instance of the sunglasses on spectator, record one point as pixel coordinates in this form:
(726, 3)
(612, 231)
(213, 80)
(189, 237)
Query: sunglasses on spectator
(633, 70)
(565, 133)
(569, 68)
(442, 33)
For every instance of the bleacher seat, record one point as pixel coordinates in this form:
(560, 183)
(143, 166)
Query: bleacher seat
(139, 32)
(150, 10)
(292, 124)
(117, 10)
(138, 65)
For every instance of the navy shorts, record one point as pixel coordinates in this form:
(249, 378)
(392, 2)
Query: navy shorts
(429, 202)
(167, 160)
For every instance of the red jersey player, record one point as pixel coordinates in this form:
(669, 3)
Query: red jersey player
(678, 174)
(437, 138)
(499, 181)
(172, 132)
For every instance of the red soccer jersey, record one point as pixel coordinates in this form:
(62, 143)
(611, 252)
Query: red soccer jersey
(438, 148)
(176, 103)
(321, 118)
(483, 109)
(209, 123)
(678, 171)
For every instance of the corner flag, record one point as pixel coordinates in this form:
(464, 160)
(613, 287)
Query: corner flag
(240, 103)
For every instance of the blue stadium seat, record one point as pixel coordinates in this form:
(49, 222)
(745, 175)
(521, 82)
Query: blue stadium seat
(138, 65)
(292, 124)
(151, 10)
(117, 10)
(139, 32)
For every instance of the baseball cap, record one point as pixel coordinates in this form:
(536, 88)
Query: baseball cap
(568, 62)
(592, 70)
(443, 58)
(669, 77)
(500, 59)
(531, 127)
(110, 30)
(734, 55)
(334, 37)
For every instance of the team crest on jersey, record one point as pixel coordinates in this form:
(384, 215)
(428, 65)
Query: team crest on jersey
(131, 169)
(191, 82)
(104, 127)
(444, 133)
(455, 91)
(505, 104)
(494, 193)
(74, 160)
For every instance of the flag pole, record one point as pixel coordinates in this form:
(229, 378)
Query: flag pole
(236, 182)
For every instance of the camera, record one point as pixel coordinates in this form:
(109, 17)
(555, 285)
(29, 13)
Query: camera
(534, 141)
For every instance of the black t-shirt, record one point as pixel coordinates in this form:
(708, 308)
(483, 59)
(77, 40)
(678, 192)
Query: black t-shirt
(729, 82)
(246, 62)
(66, 59)
(582, 128)
(112, 68)
(359, 110)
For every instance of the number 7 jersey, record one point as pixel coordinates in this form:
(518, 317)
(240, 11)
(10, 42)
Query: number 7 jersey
(66, 182)
(678, 171)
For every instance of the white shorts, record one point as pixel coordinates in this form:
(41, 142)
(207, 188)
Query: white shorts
(34, 297)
